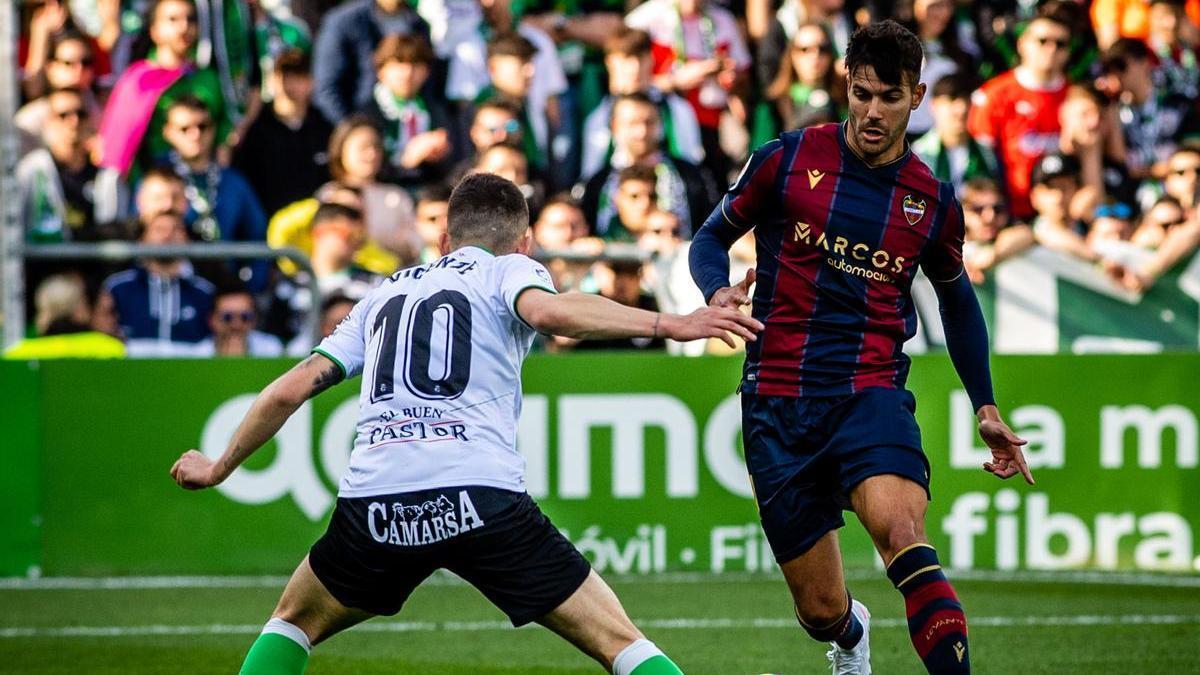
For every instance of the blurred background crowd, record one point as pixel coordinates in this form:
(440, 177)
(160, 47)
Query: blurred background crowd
(339, 128)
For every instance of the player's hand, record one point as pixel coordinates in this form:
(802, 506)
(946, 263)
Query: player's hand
(735, 296)
(1007, 457)
(195, 471)
(710, 322)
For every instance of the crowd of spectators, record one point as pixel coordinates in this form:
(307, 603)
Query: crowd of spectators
(338, 128)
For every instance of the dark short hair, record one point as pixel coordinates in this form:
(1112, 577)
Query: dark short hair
(74, 91)
(1188, 147)
(294, 62)
(506, 146)
(334, 211)
(438, 191)
(891, 49)
(229, 287)
(1066, 13)
(980, 184)
(333, 299)
(404, 49)
(69, 35)
(488, 210)
(954, 86)
(498, 103)
(511, 44)
(636, 97)
(161, 172)
(564, 198)
(628, 42)
(1124, 50)
(191, 102)
(645, 174)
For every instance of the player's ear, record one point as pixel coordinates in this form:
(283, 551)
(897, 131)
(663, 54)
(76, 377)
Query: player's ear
(525, 243)
(444, 243)
(918, 95)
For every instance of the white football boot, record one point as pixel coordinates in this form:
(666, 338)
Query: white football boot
(855, 661)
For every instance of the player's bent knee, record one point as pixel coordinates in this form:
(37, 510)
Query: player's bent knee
(901, 536)
(820, 605)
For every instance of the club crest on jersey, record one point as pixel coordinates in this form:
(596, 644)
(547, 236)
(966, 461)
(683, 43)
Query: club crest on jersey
(914, 210)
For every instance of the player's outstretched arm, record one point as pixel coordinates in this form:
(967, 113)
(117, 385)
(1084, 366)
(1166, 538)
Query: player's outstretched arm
(584, 316)
(271, 409)
(967, 342)
(708, 260)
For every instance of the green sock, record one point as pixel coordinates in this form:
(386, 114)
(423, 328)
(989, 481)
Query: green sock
(642, 657)
(657, 665)
(275, 654)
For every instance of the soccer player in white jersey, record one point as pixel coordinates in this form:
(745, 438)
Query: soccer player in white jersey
(434, 480)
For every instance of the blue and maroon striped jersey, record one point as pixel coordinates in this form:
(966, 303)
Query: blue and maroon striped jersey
(838, 245)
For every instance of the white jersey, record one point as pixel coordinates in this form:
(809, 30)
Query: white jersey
(440, 348)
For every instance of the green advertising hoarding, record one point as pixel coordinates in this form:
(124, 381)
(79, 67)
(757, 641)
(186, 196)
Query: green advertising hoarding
(636, 457)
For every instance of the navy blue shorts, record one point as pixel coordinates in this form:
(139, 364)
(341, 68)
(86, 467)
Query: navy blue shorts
(805, 455)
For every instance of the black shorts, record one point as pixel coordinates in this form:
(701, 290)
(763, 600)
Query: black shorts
(805, 455)
(377, 550)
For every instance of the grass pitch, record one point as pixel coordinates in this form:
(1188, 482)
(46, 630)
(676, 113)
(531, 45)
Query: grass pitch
(709, 625)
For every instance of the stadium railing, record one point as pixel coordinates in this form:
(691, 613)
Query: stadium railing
(112, 251)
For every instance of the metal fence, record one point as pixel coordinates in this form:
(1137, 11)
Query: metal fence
(112, 251)
(14, 310)
(12, 277)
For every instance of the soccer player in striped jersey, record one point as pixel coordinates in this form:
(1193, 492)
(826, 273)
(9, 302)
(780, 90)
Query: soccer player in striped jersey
(844, 215)
(434, 479)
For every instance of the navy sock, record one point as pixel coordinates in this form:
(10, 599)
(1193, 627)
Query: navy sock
(846, 631)
(936, 623)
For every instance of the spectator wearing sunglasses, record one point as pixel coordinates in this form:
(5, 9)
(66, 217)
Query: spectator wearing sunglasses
(70, 65)
(1165, 216)
(807, 89)
(990, 237)
(135, 115)
(497, 121)
(234, 323)
(221, 204)
(1016, 113)
(57, 180)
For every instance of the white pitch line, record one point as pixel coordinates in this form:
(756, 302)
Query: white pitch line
(1164, 580)
(653, 624)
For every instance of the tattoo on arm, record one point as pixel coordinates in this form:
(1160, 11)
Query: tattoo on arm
(329, 375)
